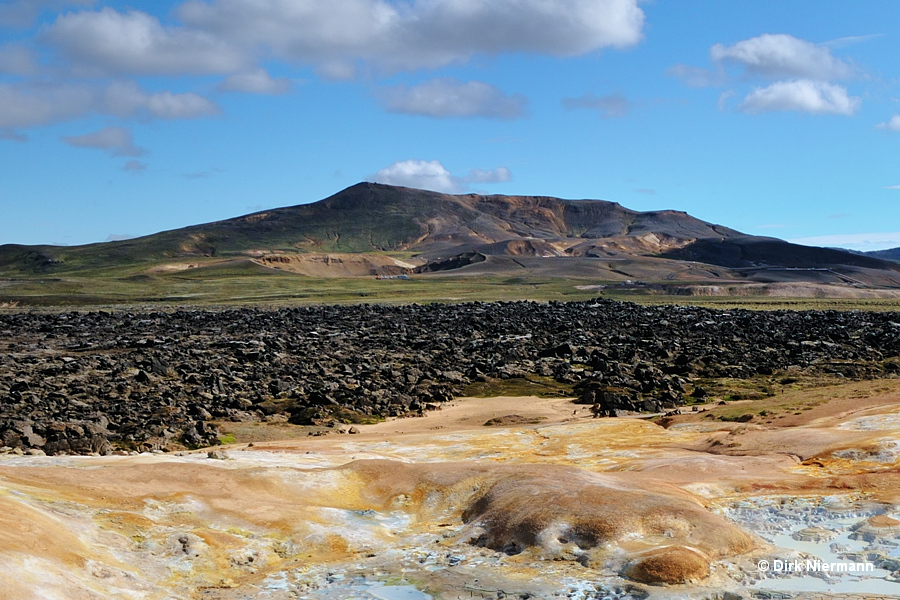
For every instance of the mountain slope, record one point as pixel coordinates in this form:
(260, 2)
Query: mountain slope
(370, 217)
(455, 234)
(889, 254)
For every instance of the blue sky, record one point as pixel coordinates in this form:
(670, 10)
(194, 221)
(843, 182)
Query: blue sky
(775, 118)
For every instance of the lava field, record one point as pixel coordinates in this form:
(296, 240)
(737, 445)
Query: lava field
(94, 382)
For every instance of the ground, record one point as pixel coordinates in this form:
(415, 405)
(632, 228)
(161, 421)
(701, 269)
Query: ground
(487, 497)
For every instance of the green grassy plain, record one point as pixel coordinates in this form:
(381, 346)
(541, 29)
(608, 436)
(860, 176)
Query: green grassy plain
(240, 282)
(248, 284)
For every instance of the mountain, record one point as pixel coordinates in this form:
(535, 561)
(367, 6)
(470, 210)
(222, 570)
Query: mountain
(890, 254)
(379, 229)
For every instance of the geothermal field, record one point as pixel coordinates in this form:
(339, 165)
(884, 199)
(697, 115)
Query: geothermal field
(487, 450)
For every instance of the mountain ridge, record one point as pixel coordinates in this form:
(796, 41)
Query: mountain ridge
(406, 219)
(450, 233)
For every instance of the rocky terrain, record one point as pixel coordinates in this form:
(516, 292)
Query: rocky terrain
(97, 382)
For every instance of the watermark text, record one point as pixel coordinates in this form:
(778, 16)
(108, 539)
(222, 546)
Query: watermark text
(813, 566)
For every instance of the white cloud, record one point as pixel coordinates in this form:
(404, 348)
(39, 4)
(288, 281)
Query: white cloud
(21, 13)
(134, 166)
(420, 174)
(17, 60)
(432, 175)
(854, 241)
(808, 96)
(28, 104)
(337, 70)
(891, 187)
(166, 105)
(124, 98)
(127, 99)
(118, 141)
(449, 97)
(24, 105)
(135, 43)
(892, 125)
(229, 36)
(614, 105)
(783, 56)
(498, 175)
(420, 34)
(257, 81)
(340, 39)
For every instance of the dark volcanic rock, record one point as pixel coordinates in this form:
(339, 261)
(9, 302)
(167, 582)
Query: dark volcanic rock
(88, 382)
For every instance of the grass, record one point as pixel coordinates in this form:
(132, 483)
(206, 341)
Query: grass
(227, 438)
(241, 282)
(235, 286)
(759, 387)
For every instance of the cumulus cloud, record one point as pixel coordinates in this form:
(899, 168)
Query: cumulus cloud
(24, 105)
(126, 99)
(449, 97)
(783, 56)
(29, 104)
(338, 38)
(17, 60)
(805, 69)
(257, 81)
(432, 175)
(421, 174)
(229, 36)
(804, 95)
(21, 13)
(891, 125)
(614, 105)
(136, 43)
(166, 105)
(118, 141)
(422, 33)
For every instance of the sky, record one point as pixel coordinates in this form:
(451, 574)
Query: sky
(777, 118)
